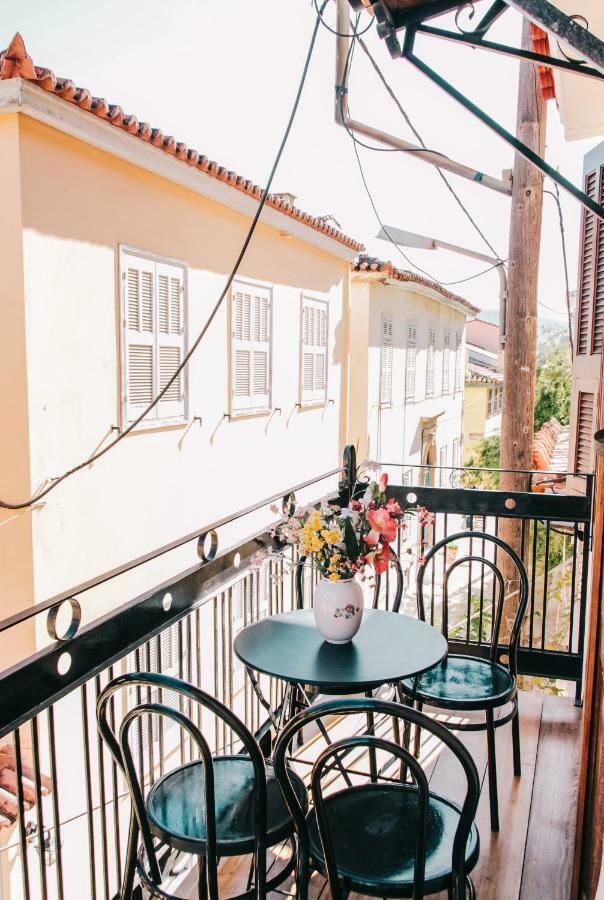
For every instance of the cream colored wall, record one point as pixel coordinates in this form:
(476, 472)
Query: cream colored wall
(78, 207)
(16, 578)
(393, 433)
(474, 412)
(359, 355)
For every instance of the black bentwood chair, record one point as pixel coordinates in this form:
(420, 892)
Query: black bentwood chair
(388, 838)
(466, 683)
(212, 807)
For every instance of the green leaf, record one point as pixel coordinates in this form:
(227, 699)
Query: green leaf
(350, 539)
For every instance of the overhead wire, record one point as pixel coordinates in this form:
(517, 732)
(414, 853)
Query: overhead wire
(355, 142)
(418, 136)
(5, 504)
(556, 195)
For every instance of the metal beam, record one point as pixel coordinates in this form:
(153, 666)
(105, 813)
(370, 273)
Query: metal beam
(562, 28)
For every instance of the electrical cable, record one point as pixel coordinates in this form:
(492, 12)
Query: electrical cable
(99, 453)
(334, 30)
(556, 195)
(408, 260)
(416, 133)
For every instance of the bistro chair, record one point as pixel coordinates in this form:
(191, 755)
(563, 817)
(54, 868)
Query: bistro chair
(463, 682)
(384, 838)
(211, 807)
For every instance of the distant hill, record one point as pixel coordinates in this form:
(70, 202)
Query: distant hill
(547, 327)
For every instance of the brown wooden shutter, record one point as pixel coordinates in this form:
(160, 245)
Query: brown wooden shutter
(585, 431)
(598, 291)
(586, 267)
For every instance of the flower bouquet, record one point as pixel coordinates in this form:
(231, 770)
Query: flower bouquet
(343, 543)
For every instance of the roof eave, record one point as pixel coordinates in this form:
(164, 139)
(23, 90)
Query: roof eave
(17, 95)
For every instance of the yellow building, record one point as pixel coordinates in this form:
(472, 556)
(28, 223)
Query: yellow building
(483, 390)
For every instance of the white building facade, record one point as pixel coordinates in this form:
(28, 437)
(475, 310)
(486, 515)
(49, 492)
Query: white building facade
(407, 352)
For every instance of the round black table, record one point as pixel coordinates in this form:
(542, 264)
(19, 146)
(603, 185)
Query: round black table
(388, 647)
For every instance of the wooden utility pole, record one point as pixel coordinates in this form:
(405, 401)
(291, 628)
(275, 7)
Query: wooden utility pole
(517, 420)
(523, 271)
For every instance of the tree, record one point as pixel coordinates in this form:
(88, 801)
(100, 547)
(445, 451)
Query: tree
(552, 388)
(484, 455)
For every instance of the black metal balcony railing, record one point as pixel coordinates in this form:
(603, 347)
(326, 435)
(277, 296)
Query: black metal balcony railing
(65, 811)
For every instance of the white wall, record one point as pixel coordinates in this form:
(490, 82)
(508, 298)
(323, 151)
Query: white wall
(394, 433)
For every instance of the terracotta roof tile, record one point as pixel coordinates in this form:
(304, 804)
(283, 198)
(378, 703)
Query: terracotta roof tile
(16, 63)
(367, 263)
(540, 41)
(476, 374)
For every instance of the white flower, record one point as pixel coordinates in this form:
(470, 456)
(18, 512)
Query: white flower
(368, 496)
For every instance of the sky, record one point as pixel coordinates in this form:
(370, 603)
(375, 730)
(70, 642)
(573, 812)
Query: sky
(222, 77)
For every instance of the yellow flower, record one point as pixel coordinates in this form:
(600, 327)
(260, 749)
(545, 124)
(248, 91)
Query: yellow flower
(316, 522)
(334, 577)
(332, 535)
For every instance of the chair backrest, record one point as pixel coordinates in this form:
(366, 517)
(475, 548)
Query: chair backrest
(398, 593)
(334, 755)
(117, 738)
(498, 591)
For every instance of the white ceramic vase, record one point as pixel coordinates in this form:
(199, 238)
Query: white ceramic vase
(338, 607)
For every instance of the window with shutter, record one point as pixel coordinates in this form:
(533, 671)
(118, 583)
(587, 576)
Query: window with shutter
(430, 362)
(444, 472)
(586, 266)
(153, 316)
(250, 348)
(411, 361)
(585, 432)
(455, 457)
(386, 362)
(458, 369)
(597, 327)
(313, 351)
(446, 361)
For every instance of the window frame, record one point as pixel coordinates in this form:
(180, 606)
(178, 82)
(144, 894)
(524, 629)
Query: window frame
(446, 364)
(386, 317)
(309, 402)
(264, 410)
(158, 259)
(431, 362)
(410, 397)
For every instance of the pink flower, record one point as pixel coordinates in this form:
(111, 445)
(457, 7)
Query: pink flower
(383, 482)
(356, 505)
(382, 525)
(393, 507)
(382, 559)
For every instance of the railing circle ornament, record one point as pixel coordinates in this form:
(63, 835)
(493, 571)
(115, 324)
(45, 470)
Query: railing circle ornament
(288, 506)
(74, 623)
(205, 553)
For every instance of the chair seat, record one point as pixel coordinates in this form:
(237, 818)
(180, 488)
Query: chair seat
(374, 831)
(175, 807)
(463, 682)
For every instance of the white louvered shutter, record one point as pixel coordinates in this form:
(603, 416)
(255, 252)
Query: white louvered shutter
(411, 361)
(138, 278)
(251, 348)
(170, 346)
(313, 351)
(386, 362)
(446, 361)
(458, 381)
(430, 362)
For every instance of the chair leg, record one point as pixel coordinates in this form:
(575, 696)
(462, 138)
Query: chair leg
(130, 866)
(202, 884)
(418, 735)
(516, 742)
(372, 755)
(492, 771)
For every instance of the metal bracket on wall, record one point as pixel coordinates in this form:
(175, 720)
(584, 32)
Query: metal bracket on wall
(412, 17)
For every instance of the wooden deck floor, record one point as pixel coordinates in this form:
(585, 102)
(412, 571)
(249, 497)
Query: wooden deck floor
(531, 857)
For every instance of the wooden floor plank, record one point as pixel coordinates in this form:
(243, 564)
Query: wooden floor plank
(498, 873)
(528, 859)
(551, 830)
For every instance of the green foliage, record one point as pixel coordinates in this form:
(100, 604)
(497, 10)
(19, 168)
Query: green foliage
(459, 630)
(484, 455)
(552, 386)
